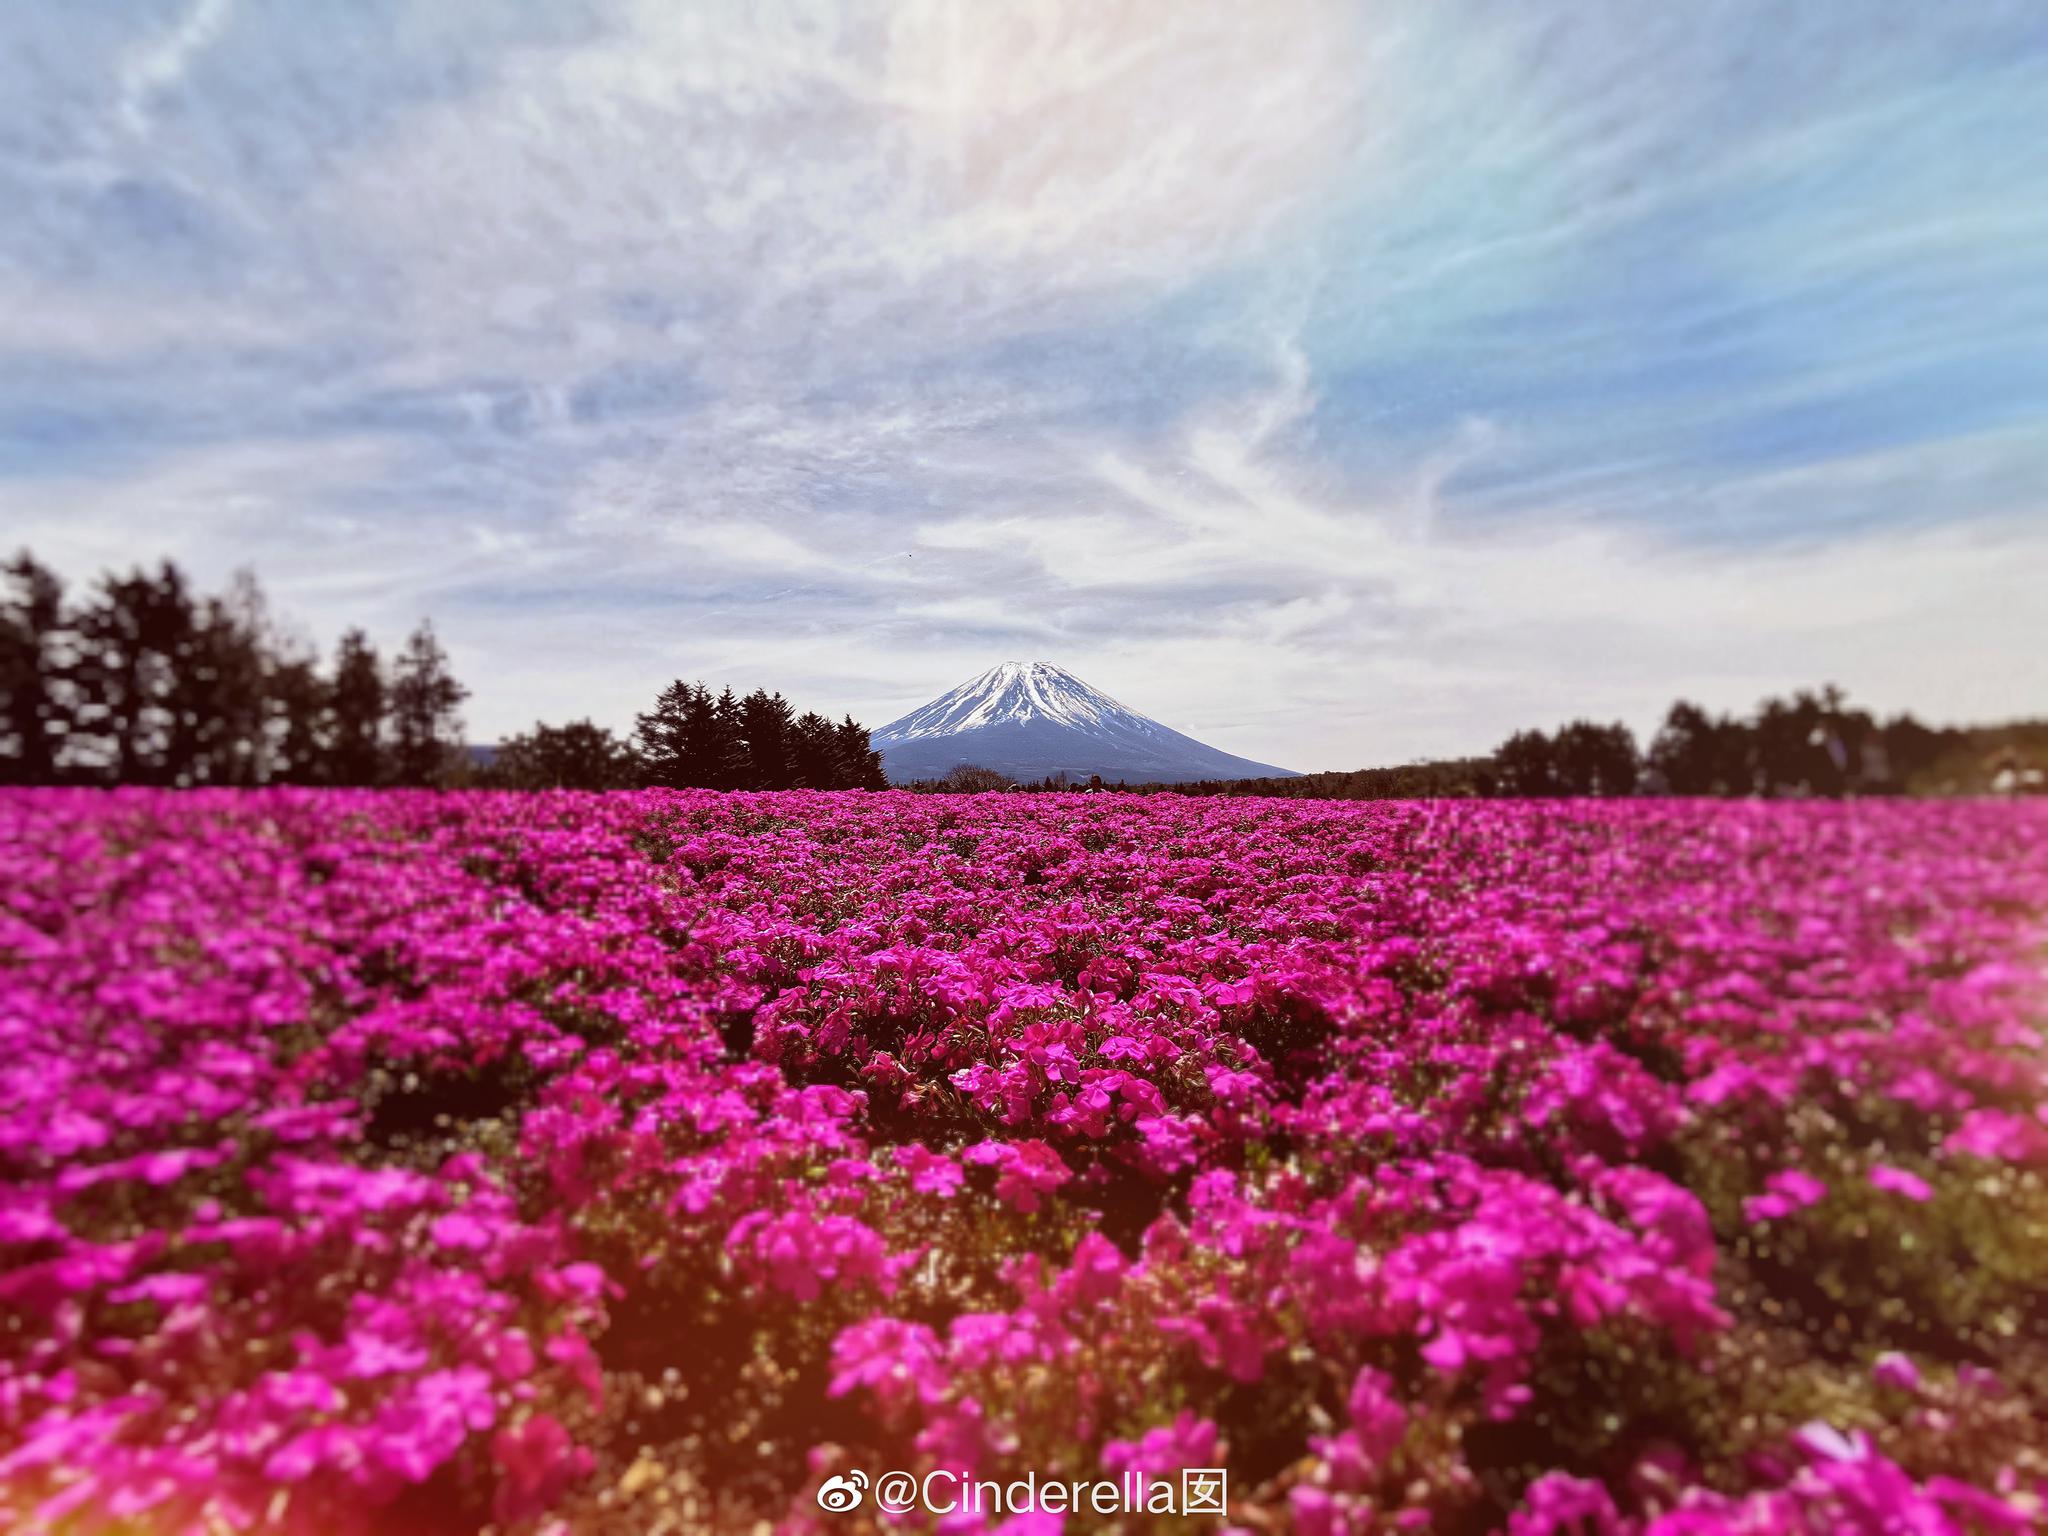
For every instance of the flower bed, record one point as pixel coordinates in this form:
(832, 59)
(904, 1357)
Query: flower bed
(637, 1162)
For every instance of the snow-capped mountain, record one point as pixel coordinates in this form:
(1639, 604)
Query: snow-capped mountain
(1029, 719)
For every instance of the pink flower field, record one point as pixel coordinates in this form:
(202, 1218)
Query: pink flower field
(407, 1162)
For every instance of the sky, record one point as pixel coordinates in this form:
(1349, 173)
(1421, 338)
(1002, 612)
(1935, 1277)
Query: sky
(1340, 384)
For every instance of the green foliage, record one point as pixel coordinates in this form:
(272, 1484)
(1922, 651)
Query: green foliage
(693, 740)
(579, 755)
(426, 730)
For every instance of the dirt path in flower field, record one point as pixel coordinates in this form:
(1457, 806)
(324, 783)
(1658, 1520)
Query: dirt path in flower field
(391, 1161)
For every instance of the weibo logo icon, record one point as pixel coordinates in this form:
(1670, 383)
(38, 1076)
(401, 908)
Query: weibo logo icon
(836, 1495)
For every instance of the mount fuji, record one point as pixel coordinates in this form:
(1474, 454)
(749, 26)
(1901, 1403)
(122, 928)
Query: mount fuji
(1028, 719)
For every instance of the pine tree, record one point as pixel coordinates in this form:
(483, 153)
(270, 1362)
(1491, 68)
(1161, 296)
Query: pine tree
(426, 725)
(860, 766)
(298, 719)
(704, 749)
(220, 691)
(1686, 754)
(767, 726)
(131, 637)
(35, 709)
(1911, 749)
(1527, 765)
(1594, 759)
(357, 706)
(814, 756)
(579, 755)
(663, 735)
(726, 763)
(693, 738)
(688, 740)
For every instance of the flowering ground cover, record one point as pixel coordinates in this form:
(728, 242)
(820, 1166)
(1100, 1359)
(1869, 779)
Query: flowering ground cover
(635, 1163)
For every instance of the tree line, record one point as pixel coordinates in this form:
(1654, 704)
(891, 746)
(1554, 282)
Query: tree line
(1813, 744)
(694, 739)
(141, 679)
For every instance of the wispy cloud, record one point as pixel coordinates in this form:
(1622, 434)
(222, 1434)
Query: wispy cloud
(160, 64)
(1340, 382)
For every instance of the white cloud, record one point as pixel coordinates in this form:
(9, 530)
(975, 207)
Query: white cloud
(893, 180)
(158, 67)
(1530, 621)
(749, 544)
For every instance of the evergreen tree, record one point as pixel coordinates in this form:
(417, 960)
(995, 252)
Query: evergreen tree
(685, 741)
(860, 766)
(579, 755)
(1778, 750)
(766, 728)
(1691, 754)
(1594, 759)
(356, 709)
(298, 720)
(727, 762)
(219, 698)
(663, 735)
(708, 739)
(1526, 764)
(35, 710)
(426, 723)
(692, 738)
(132, 636)
(1911, 749)
(1794, 747)
(814, 754)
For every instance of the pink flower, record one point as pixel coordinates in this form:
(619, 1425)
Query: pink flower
(299, 1457)
(1827, 1443)
(367, 1355)
(800, 1252)
(460, 1230)
(166, 1290)
(1096, 1273)
(931, 1173)
(418, 1430)
(1377, 1417)
(1162, 1452)
(1998, 1136)
(892, 1359)
(1897, 1181)
(539, 1461)
(1557, 1504)
(1013, 1338)
(571, 1351)
(1789, 1191)
(1026, 1171)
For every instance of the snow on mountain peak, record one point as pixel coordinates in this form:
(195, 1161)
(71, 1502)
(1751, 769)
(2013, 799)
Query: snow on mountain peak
(1018, 692)
(1032, 720)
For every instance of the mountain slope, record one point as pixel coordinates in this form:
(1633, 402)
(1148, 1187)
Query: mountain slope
(1030, 719)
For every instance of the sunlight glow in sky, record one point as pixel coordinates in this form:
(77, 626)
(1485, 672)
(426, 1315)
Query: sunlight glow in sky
(1337, 383)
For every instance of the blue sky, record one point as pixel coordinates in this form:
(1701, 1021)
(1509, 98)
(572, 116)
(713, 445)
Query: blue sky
(1339, 383)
